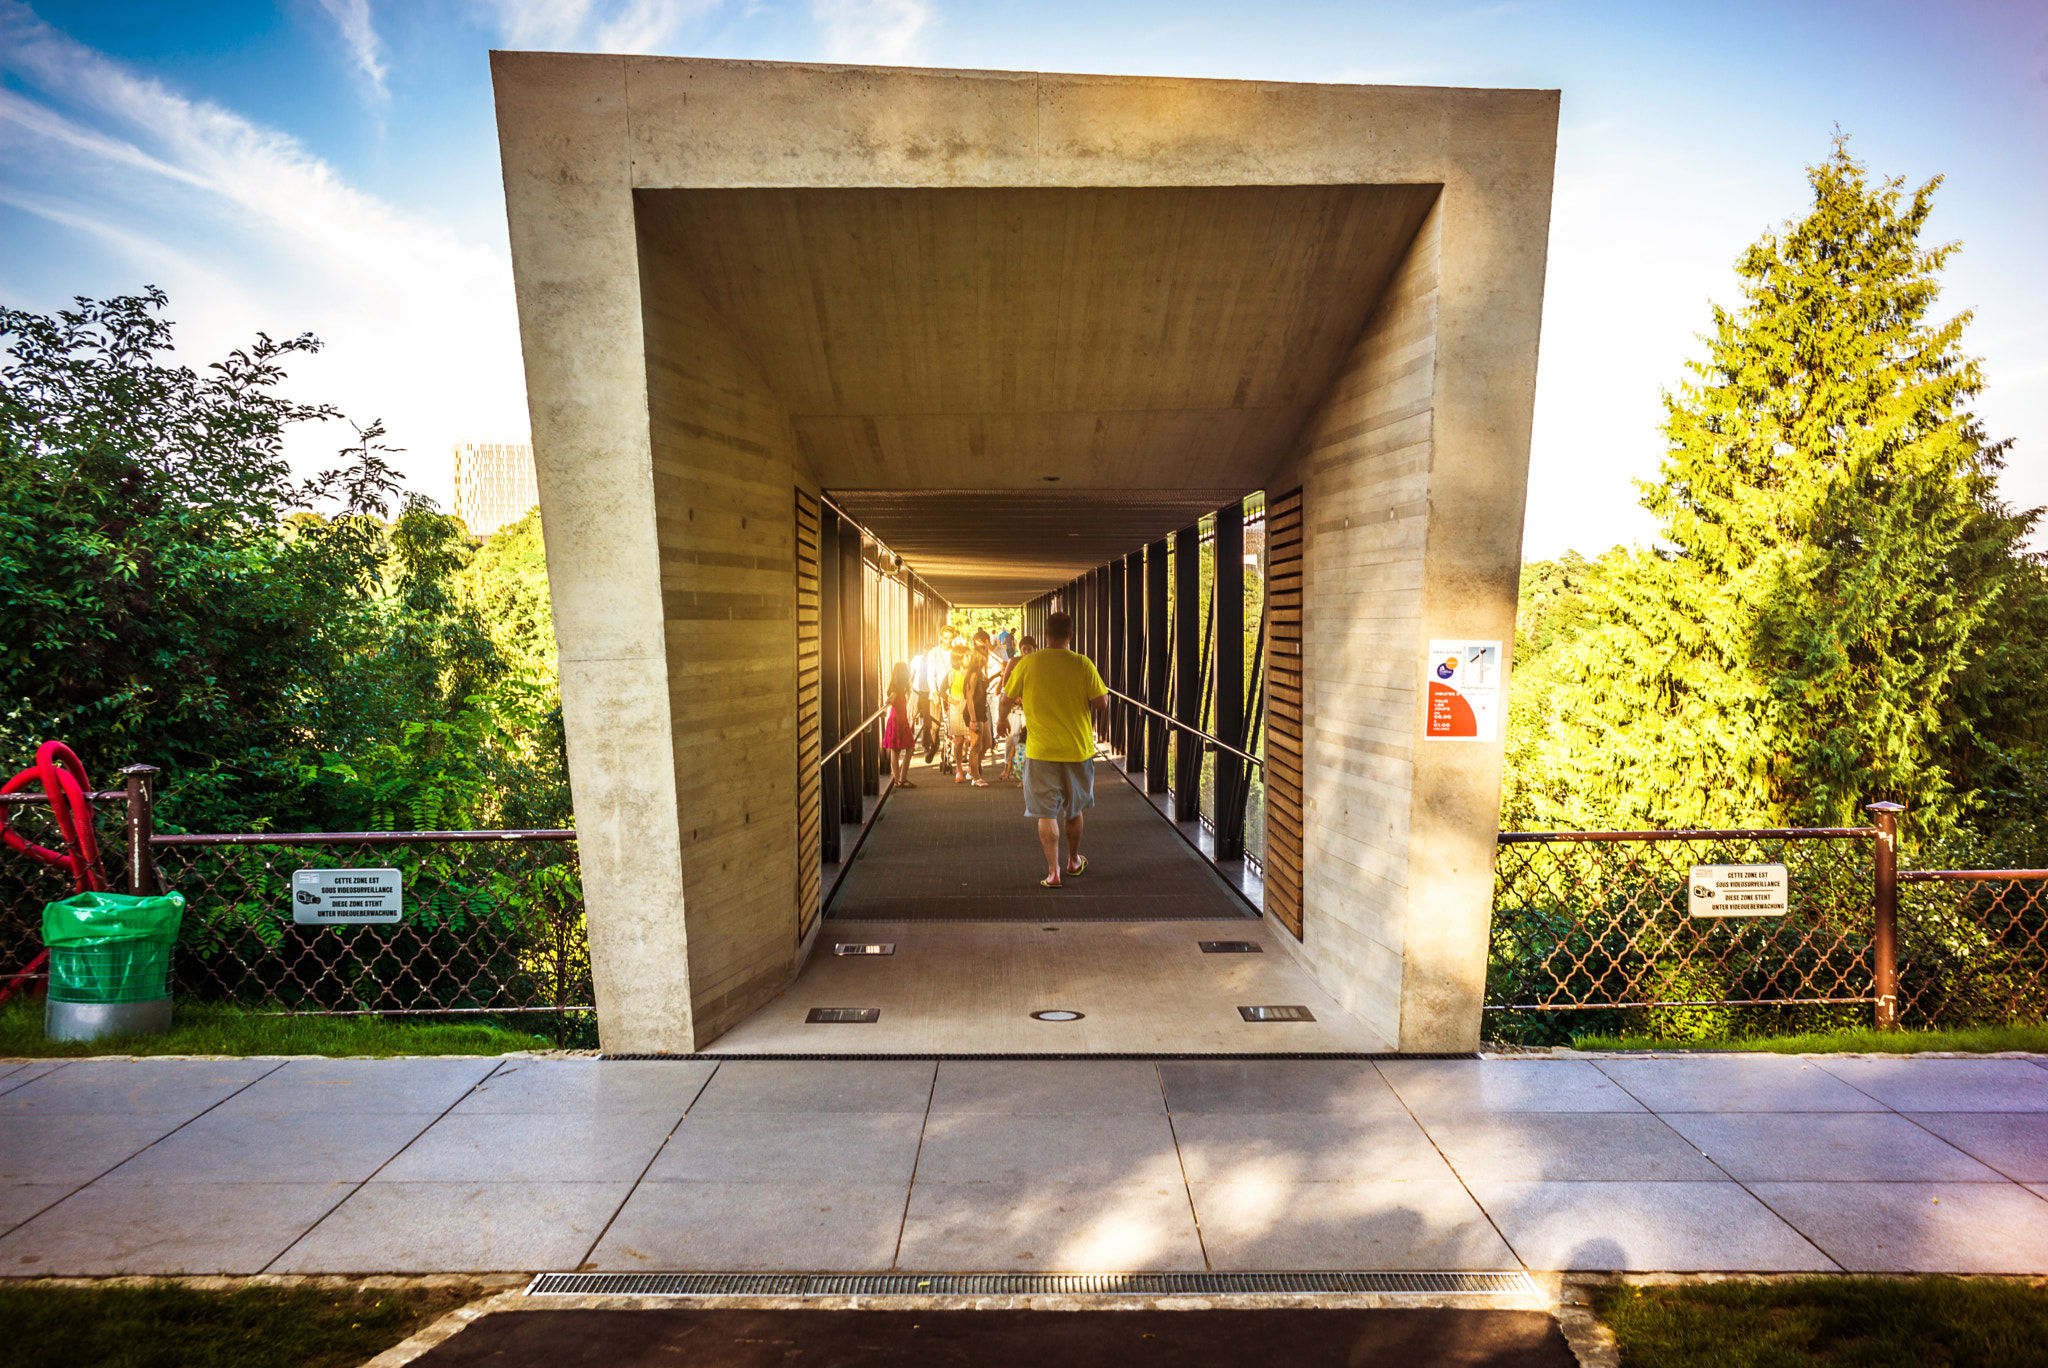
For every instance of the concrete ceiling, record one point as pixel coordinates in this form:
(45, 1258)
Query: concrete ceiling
(1162, 345)
(998, 548)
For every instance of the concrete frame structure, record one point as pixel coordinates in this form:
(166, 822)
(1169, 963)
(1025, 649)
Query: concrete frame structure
(1098, 304)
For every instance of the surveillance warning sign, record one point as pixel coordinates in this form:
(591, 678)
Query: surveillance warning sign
(1464, 691)
(322, 897)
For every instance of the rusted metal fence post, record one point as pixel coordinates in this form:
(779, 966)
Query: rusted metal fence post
(1884, 936)
(141, 827)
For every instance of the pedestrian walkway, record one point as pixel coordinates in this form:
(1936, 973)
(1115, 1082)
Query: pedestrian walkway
(947, 881)
(943, 851)
(1746, 1163)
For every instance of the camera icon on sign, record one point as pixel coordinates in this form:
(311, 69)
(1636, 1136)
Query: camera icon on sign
(310, 899)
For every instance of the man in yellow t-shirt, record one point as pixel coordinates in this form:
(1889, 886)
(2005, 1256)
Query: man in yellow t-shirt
(1061, 693)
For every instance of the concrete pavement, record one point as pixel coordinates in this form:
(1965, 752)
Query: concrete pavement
(1702, 1163)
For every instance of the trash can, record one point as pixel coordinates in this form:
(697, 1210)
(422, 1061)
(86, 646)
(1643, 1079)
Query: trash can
(110, 964)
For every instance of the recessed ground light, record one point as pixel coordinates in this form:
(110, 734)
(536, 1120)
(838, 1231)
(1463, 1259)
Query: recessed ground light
(1048, 928)
(1276, 1014)
(871, 948)
(841, 1016)
(1050, 479)
(1222, 948)
(1056, 1014)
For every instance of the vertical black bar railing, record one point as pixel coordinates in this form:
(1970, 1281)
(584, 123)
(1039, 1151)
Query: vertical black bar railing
(830, 730)
(1228, 598)
(1187, 682)
(1157, 663)
(1135, 727)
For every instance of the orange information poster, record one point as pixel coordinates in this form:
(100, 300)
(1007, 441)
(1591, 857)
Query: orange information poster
(1463, 691)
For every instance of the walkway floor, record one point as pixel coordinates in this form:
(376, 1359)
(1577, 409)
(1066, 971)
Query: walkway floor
(948, 878)
(1730, 1163)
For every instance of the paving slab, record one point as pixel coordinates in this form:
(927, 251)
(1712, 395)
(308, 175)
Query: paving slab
(1827, 1148)
(790, 1147)
(1443, 1087)
(1050, 1227)
(73, 1148)
(589, 1085)
(20, 1071)
(20, 1201)
(1318, 1087)
(1919, 1227)
(1403, 1224)
(1645, 1227)
(429, 1086)
(533, 1148)
(760, 1085)
(134, 1087)
(1738, 1083)
(2014, 1143)
(1568, 1146)
(1915, 1083)
(1077, 1149)
(287, 1147)
(462, 1227)
(1016, 1087)
(1249, 1147)
(166, 1228)
(827, 1224)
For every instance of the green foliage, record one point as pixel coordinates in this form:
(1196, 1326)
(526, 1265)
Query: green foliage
(168, 596)
(1844, 611)
(1847, 1322)
(164, 1325)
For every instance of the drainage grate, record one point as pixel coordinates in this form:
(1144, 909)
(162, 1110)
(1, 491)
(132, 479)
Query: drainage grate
(1023, 1284)
(1057, 1014)
(871, 948)
(841, 1015)
(1276, 1013)
(1231, 947)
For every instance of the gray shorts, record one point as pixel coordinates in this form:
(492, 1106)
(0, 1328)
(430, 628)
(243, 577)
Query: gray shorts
(1058, 788)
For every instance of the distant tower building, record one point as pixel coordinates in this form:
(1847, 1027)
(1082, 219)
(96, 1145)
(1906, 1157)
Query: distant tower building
(494, 485)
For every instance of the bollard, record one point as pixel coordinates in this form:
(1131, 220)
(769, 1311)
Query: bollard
(1884, 936)
(141, 827)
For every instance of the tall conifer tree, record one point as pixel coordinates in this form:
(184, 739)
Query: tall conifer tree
(1844, 611)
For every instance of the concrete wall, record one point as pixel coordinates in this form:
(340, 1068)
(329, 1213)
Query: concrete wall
(726, 465)
(667, 463)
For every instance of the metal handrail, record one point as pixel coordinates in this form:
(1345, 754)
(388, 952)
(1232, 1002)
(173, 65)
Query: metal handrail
(1783, 833)
(1217, 741)
(1972, 875)
(302, 838)
(96, 796)
(853, 735)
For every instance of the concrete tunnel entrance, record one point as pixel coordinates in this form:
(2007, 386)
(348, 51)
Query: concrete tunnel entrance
(1017, 327)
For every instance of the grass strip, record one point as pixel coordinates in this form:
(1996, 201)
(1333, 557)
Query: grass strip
(205, 1028)
(1863, 1040)
(1841, 1322)
(163, 1324)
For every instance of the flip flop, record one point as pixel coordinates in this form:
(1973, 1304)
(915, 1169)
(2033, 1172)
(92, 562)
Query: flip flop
(1079, 869)
(978, 783)
(1048, 883)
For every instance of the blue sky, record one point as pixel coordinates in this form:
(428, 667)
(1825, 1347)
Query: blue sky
(331, 165)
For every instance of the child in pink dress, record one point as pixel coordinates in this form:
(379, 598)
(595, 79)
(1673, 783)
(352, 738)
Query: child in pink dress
(898, 738)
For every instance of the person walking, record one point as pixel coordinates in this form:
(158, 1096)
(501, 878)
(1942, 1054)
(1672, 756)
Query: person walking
(974, 695)
(934, 705)
(897, 737)
(920, 699)
(1061, 692)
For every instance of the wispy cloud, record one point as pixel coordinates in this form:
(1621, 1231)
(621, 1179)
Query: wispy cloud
(352, 19)
(880, 31)
(419, 321)
(641, 26)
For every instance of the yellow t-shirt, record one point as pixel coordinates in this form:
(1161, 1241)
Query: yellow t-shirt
(1058, 689)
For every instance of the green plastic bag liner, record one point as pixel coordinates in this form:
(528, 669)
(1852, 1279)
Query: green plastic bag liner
(112, 947)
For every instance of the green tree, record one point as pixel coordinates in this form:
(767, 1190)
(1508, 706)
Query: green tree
(1844, 610)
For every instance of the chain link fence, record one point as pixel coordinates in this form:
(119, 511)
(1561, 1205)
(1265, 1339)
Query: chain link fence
(1592, 934)
(493, 921)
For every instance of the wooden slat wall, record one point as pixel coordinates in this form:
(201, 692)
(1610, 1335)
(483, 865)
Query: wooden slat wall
(807, 805)
(1283, 710)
